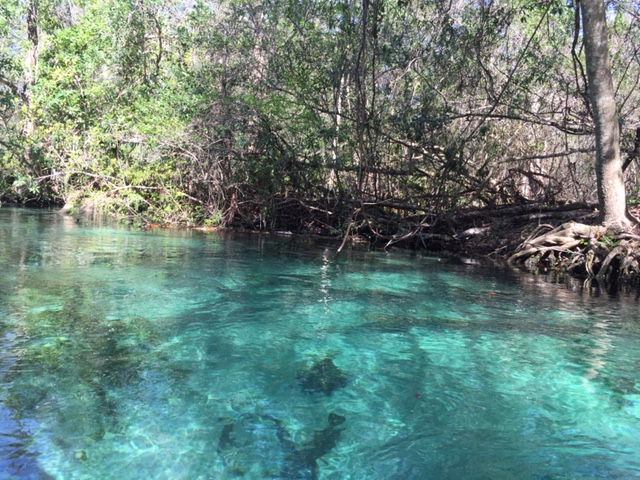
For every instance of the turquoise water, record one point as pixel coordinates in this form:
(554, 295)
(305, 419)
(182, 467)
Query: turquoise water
(186, 355)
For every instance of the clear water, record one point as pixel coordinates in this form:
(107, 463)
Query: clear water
(182, 355)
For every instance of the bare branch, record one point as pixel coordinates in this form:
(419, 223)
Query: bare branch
(542, 156)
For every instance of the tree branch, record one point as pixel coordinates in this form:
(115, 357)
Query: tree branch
(543, 156)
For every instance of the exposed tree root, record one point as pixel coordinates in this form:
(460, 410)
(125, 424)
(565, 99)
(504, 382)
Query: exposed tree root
(593, 251)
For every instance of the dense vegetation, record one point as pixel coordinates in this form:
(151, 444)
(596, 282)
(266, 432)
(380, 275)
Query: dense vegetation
(307, 116)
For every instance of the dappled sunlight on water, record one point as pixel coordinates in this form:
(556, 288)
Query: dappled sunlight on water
(177, 354)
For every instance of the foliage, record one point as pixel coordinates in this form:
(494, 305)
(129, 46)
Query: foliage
(225, 112)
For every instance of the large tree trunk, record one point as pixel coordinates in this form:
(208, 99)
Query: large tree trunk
(611, 193)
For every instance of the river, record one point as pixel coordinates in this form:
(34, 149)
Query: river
(177, 354)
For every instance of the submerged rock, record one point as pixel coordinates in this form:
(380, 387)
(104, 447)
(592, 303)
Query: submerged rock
(81, 455)
(322, 376)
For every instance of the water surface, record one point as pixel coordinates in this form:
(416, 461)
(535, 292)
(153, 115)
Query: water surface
(183, 355)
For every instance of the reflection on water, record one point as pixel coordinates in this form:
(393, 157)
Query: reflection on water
(183, 355)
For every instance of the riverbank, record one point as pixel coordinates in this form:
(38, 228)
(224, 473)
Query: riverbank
(537, 238)
(540, 238)
(565, 239)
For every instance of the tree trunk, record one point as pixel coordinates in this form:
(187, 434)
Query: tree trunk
(30, 65)
(611, 192)
(360, 77)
